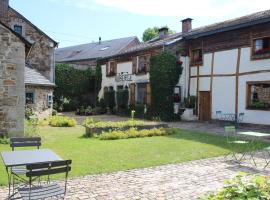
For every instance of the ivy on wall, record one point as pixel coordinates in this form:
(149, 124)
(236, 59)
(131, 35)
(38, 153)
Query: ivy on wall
(98, 79)
(165, 71)
(75, 87)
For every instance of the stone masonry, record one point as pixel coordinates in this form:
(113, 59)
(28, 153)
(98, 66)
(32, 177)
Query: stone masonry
(40, 105)
(12, 63)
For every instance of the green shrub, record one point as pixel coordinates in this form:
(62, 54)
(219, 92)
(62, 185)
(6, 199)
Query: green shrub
(109, 99)
(54, 112)
(31, 126)
(139, 111)
(62, 121)
(93, 123)
(43, 122)
(169, 68)
(190, 102)
(29, 112)
(134, 133)
(122, 97)
(244, 188)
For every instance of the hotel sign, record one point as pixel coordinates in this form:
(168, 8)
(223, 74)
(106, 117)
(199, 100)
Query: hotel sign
(123, 77)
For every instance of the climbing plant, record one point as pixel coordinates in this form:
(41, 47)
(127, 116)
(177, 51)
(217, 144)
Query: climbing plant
(98, 78)
(165, 71)
(75, 87)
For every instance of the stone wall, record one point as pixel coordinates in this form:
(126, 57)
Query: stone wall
(41, 56)
(40, 106)
(263, 93)
(12, 64)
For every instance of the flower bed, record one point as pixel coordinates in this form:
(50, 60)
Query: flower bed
(97, 127)
(134, 133)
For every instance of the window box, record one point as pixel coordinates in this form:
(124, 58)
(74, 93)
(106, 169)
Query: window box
(261, 48)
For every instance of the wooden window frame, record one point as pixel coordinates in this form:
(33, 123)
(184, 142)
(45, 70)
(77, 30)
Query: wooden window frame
(32, 92)
(191, 57)
(18, 26)
(146, 67)
(248, 93)
(111, 70)
(253, 56)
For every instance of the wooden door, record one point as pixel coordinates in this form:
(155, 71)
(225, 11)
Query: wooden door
(204, 106)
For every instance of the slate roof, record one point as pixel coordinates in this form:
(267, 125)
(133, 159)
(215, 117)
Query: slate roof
(93, 50)
(33, 77)
(236, 23)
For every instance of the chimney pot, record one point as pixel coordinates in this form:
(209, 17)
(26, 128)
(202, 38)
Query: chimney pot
(163, 32)
(99, 40)
(186, 25)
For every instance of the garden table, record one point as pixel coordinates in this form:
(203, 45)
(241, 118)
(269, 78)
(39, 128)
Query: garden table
(254, 138)
(25, 157)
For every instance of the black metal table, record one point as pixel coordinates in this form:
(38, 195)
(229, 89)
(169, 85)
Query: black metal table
(25, 157)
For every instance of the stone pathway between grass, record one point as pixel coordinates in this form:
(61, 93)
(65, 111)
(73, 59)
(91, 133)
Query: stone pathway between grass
(174, 181)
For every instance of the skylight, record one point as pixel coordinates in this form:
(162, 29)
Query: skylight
(104, 48)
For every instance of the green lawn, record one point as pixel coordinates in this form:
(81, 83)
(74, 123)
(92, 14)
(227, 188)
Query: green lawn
(92, 156)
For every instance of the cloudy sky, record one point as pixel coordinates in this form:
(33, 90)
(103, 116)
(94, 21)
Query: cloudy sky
(72, 22)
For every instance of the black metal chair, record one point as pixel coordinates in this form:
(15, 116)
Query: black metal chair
(46, 190)
(19, 142)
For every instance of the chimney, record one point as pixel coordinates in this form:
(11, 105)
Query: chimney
(99, 40)
(4, 10)
(163, 32)
(186, 25)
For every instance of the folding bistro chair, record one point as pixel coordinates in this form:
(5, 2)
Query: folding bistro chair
(16, 142)
(45, 190)
(232, 141)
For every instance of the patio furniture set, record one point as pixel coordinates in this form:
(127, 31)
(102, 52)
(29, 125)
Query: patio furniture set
(236, 118)
(26, 170)
(252, 142)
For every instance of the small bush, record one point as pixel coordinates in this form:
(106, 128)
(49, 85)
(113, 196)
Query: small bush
(43, 122)
(122, 98)
(62, 121)
(244, 188)
(109, 99)
(54, 112)
(134, 133)
(93, 123)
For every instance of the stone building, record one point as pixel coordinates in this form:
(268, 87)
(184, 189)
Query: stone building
(13, 52)
(40, 60)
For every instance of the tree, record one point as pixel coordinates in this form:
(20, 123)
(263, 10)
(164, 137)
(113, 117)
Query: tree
(151, 33)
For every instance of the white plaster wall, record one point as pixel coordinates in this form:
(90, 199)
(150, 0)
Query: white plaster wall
(193, 86)
(252, 116)
(193, 71)
(207, 62)
(204, 84)
(225, 62)
(223, 95)
(247, 65)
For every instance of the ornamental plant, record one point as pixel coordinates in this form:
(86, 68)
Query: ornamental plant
(92, 123)
(243, 187)
(62, 121)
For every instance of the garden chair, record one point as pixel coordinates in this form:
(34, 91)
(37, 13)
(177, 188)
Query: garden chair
(234, 141)
(19, 142)
(47, 189)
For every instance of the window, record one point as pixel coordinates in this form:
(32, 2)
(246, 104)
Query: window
(18, 29)
(142, 68)
(258, 95)
(49, 100)
(196, 57)
(261, 47)
(111, 68)
(141, 93)
(29, 97)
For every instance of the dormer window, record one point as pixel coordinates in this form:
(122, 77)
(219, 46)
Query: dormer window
(261, 48)
(18, 29)
(196, 57)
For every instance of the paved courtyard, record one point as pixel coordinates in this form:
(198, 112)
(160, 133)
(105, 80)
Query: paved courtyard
(175, 181)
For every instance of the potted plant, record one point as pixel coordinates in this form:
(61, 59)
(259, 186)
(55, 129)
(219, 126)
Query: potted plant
(190, 105)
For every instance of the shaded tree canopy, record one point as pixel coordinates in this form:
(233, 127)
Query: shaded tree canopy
(151, 33)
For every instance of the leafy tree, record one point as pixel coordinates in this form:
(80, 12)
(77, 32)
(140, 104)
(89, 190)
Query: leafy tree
(151, 33)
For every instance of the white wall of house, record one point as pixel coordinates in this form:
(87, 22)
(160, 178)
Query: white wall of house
(224, 82)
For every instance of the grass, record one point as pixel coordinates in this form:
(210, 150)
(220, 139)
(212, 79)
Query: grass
(92, 156)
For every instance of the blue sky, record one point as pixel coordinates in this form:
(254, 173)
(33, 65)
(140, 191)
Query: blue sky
(72, 22)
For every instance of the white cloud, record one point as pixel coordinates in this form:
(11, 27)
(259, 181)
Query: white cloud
(206, 8)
